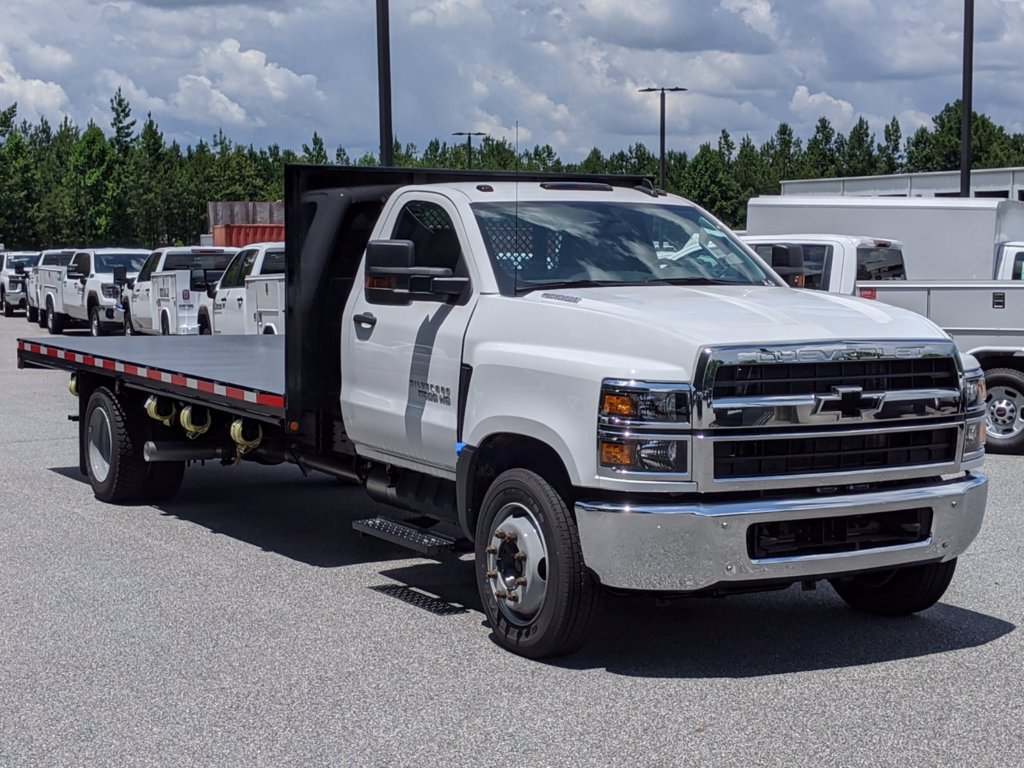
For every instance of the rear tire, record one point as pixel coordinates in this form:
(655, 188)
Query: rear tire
(1004, 414)
(129, 329)
(32, 314)
(204, 327)
(54, 320)
(536, 591)
(165, 326)
(899, 592)
(113, 439)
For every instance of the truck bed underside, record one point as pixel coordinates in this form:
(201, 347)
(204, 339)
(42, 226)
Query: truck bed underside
(242, 373)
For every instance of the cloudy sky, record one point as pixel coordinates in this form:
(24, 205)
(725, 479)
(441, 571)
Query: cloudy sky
(274, 71)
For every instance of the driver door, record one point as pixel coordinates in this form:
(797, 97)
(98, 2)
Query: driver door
(141, 299)
(401, 365)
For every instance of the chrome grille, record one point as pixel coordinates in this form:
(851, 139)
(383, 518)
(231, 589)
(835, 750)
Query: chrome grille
(833, 453)
(788, 379)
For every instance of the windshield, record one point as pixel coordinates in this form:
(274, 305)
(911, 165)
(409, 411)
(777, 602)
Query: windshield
(536, 245)
(198, 261)
(105, 262)
(26, 260)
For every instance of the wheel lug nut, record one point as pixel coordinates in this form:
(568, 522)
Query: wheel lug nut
(501, 594)
(490, 550)
(500, 534)
(519, 556)
(511, 536)
(512, 598)
(491, 574)
(520, 581)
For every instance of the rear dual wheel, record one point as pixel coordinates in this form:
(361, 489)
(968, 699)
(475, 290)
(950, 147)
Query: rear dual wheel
(113, 439)
(897, 592)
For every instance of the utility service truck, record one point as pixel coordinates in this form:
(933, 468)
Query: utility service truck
(52, 257)
(250, 295)
(944, 238)
(85, 290)
(837, 263)
(965, 260)
(506, 360)
(167, 295)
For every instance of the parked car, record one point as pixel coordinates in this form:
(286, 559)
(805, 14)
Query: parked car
(13, 265)
(52, 257)
(249, 297)
(165, 296)
(85, 291)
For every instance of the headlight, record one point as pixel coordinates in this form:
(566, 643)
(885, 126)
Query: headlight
(110, 291)
(975, 390)
(643, 427)
(640, 401)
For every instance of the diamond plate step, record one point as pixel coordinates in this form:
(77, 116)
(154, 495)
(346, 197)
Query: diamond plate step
(404, 535)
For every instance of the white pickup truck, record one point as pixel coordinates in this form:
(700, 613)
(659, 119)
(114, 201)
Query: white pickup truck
(14, 266)
(166, 297)
(838, 263)
(84, 291)
(52, 257)
(249, 297)
(506, 359)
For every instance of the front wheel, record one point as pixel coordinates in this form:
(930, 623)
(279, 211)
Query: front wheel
(899, 592)
(129, 329)
(8, 309)
(54, 320)
(113, 450)
(536, 590)
(95, 324)
(1004, 417)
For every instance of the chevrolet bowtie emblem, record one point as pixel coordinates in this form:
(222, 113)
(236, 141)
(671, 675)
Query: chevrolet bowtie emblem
(848, 403)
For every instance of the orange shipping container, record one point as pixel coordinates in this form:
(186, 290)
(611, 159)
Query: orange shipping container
(237, 235)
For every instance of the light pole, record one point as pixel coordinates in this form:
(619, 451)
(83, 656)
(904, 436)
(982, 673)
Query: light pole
(672, 89)
(966, 106)
(387, 139)
(469, 144)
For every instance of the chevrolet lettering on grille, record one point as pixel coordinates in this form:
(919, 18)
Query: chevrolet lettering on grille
(849, 403)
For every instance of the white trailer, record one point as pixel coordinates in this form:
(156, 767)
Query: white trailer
(943, 238)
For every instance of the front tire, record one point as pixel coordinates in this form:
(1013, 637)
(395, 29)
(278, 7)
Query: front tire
(899, 592)
(1004, 416)
(536, 590)
(8, 309)
(129, 329)
(113, 450)
(95, 324)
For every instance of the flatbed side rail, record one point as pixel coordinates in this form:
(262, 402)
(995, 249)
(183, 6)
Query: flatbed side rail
(266, 406)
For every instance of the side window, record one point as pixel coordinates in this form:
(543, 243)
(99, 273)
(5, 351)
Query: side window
(231, 278)
(1018, 266)
(80, 263)
(248, 260)
(433, 234)
(147, 268)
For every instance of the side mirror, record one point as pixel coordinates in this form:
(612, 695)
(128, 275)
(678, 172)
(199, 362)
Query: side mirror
(392, 277)
(19, 269)
(130, 282)
(82, 279)
(788, 262)
(120, 275)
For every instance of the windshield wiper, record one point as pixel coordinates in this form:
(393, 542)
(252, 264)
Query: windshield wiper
(525, 288)
(691, 281)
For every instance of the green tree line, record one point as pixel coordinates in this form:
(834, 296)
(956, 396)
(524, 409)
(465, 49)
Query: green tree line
(69, 186)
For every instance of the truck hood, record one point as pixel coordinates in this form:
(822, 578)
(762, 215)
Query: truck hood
(660, 331)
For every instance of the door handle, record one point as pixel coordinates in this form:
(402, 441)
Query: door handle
(240, 300)
(365, 319)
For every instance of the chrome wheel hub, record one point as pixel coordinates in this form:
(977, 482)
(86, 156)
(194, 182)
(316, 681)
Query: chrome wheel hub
(517, 561)
(100, 444)
(1005, 411)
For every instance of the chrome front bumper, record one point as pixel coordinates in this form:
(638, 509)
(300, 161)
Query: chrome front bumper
(688, 547)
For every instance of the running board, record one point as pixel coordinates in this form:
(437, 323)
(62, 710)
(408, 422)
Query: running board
(404, 535)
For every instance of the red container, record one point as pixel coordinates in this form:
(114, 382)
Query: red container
(237, 235)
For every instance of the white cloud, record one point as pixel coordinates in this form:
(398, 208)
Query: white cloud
(810, 106)
(248, 74)
(197, 99)
(757, 13)
(35, 98)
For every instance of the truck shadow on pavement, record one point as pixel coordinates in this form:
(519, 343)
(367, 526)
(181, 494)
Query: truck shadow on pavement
(310, 520)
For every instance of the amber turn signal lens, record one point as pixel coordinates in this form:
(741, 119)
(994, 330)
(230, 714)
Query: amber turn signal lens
(616, 455)
(618, 405)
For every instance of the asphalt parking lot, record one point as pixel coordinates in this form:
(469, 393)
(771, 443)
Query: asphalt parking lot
(245, 624)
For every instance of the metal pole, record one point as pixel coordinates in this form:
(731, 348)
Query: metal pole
(966, 103)
(469, 144)
(661, 159)
(387, 141)
(661, 183)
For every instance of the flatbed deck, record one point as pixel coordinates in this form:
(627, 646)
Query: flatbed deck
(243, 373)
